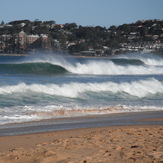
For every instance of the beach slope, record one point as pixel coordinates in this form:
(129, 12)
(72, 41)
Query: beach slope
(143, 144)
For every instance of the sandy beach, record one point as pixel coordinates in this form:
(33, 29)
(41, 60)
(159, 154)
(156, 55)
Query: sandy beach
(142, 143)
(110, 144)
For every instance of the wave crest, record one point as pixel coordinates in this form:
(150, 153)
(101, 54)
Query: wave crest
(118, 65)
(110, 68)
(140, 89)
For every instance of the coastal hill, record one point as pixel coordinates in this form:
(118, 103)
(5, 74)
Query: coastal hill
(24, 36)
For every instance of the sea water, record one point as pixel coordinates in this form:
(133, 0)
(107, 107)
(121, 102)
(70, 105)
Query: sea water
(43, 86)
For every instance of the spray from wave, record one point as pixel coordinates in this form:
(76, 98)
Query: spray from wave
(109, 68)
(140, 89)
(132, 64)
(119, 65)
(31, 97)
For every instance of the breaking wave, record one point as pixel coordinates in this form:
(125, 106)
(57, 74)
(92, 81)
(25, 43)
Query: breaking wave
(119, 65)
(110, 68)
(140, 89)
(61, 91)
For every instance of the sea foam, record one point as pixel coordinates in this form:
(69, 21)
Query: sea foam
(141, 88)
(152, 65)
(109, 68)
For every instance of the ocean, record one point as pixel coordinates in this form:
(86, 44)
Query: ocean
(47, 86)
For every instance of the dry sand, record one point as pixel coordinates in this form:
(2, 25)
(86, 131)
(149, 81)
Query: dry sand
(143, 144)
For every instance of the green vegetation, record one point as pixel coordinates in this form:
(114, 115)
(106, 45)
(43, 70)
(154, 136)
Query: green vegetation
(24, 36)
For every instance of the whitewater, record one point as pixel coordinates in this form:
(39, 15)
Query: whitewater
(42, 86)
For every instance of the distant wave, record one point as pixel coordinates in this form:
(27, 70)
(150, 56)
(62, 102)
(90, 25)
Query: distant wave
(140, 89)
(118, 65)
(127, 61)
(32, 68)
(148, 59)
(134, 64)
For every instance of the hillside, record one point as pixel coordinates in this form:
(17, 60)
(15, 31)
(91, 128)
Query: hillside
(24, 36)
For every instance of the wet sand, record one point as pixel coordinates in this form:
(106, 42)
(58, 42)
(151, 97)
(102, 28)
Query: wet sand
(115, 119)
(126, 143)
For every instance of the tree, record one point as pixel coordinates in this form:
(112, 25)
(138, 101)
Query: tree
(18, 22)
(113, 28)
(49, 22)
(126, 28)
(78, 47)
(2, 22)
(37, 23)
(113, 44)
(143, 31)
(70, 26)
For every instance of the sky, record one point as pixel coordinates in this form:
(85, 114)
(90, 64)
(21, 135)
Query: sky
(82, 12)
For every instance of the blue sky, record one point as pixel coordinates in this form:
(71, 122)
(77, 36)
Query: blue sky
(83, 12)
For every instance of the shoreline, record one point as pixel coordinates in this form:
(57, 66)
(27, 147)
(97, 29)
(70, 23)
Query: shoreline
(11, 54)
(107, 120)
(66, 56)
(121, 137)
